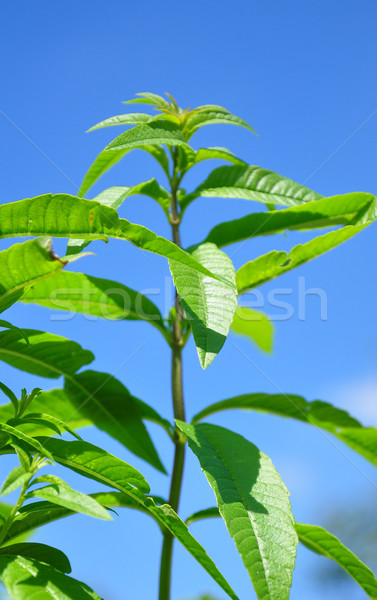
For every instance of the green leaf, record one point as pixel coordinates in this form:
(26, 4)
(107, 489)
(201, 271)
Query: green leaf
(151, 134)
(97, 464)
(109, 405)
(60, 493)
(16, 478)
(115, 196)
(23, 454)
(93, 462)
(322, 542)
(97, 297)
(46, 354)
(62, 215)
(271, 265)
(255, 325)
(127, 119)
(149, 98)
(12, 397)
(209, 305)
(320, 414)
(105, 160)
(8, 325)
(54, 402)
(13, 432)
(189, 157)
(217, 153)
(211, 116)
(102, 163)
(46, 554)
(45, 421)
(254, 504)
(335, 210)
(252, 183)
(27, 399)
(26, 578)
(206, 513)
(38, 421)
(24, 264)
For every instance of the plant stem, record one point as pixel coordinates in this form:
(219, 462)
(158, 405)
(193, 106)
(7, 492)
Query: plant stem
(178, 404)
(8, 523)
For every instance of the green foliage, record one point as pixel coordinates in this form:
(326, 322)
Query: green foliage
(251, 497)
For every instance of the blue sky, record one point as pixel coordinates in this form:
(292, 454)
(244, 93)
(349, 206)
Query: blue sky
(303, 75)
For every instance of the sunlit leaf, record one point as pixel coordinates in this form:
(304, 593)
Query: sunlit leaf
(188, 157)
(271, 265)
(211, 116)
(153, 133)
(24, 264)
(46, 354)
(149, 98)
(335, 210)
(322, 542)
(254, 504)
(209, 305)
(94, 462)
(127, 119)
(252, 183)
(15, 433)
(60, 493)
(16, 478)
(254, 325)
(115, 196)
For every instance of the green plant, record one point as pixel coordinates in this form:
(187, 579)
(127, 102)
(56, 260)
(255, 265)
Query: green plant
(250, 495)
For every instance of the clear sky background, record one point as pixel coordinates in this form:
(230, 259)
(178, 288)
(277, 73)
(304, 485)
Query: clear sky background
(304, 75)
